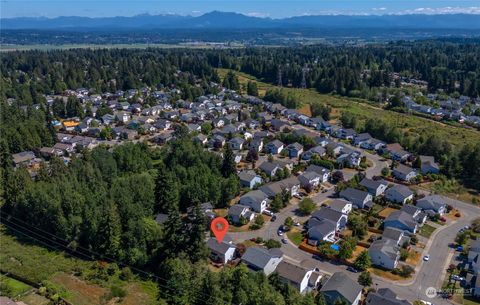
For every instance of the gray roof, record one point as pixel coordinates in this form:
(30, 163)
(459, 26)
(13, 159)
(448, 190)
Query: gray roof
(237, 209)
(256, 196)
(161, 218)
(321, 228)
(259, 257)
(220, 248)
(291, 272)
(400, 189)
(351, 193)
(402, 217)
(326, 213)
(275, 143)
(247, 176)
(392, 233)
(384, 296)
(318, 169)
(23, 156)
(372, 184)
(403, 169)
(295, 145)
(344, 285)
(338, 204)
(268, 166)
(386, 246)
(410, 209)
(433, 202)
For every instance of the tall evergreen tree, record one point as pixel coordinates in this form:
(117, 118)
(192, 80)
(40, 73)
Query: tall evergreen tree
(228, 164)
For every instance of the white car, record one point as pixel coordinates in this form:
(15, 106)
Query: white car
(280, 233)
(426, 257)
(268, 213)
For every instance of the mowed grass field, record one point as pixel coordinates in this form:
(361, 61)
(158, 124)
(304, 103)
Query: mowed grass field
(364, 110)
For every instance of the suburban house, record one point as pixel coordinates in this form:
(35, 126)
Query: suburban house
(256, 200)
(275, 147)
(321, 230)
(297, 276)
(294, 150)
(341, 205)
(384, 253)
(200, 139)
(238, 211)
(415, 212)
(317, 150)
(429, 166)
(341, 286)
(396, 235)
(474, 256)
(221, 252)
(397, 152)
(404, 173)
(384, 296)
(361, 138)
(399, 194)
(324, 172)
(270, 168)
(374, 187)
(249, 178)
(256, 144)
(401, 220)
(279, 125)
(360, 199)
(236, 143)
(23, 158)
(338, 218)
(262, 259)
(433, 204)
(309, 179)
(291, 185)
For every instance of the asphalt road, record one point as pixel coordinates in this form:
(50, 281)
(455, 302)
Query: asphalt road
(428, 274)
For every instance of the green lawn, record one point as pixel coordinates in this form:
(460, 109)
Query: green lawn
(295, 236)
(426, 230)
(12, 287)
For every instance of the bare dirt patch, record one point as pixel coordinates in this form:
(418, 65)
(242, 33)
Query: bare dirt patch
(80, 292)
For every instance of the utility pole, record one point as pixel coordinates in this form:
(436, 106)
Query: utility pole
(279, 76)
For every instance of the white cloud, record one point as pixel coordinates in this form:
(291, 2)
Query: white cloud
(379, 9)
(442, 10)
(258, 14)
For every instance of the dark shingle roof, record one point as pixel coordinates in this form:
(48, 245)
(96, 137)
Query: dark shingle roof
(344, 285)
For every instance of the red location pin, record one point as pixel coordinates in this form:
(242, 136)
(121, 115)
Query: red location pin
(219, 227)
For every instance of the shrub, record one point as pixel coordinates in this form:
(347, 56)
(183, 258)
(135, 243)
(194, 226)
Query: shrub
(272, 243)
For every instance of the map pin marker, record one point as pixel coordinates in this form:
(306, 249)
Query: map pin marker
(219, 227)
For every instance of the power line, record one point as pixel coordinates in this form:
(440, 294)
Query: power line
(91, 257)
(56, 249)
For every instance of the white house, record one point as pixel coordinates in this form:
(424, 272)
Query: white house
(399, 194)
(221, 252)
(257, 200)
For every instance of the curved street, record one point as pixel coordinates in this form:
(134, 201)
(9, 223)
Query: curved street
(427, 274)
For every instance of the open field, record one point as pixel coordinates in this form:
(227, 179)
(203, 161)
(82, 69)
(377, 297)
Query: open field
(47, 47)
(69, 276)
(365, 110)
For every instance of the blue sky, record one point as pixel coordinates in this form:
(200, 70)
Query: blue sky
(261, 8)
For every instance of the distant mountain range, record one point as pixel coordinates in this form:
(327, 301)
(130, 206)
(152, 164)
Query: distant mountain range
(225, 20)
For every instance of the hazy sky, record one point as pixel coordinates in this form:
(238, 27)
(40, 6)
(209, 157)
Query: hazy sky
(261, 8)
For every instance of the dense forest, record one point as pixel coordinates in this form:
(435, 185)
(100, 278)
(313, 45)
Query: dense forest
(356, 71)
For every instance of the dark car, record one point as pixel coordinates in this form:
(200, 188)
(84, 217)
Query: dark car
(351, 269)
(274, 217)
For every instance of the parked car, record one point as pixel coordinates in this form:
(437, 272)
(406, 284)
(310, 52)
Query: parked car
(274, 217)
(280, 233)
(268, 213)
(426, 257)
(351, 269)
(284, 240)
